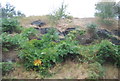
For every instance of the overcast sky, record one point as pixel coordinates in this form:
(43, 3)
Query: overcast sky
(76, 8)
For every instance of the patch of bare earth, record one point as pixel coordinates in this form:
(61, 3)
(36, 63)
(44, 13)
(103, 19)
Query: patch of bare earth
(21, 73)
(69, 70)
(111, 71)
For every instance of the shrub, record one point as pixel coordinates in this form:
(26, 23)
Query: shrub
(40, 55)
(46, 51)
(10, 25)
(108, 52)
(52, 35)
(39, 50)
(29, 32)
(58, 14)
(73, 34)
(10, 41)
(6, 67)
(92, 26)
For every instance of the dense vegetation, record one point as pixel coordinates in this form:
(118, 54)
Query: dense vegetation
(44, 52)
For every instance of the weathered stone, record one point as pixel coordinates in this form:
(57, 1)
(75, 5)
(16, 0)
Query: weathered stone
(38, 23)
(115, 41)
(116, 32)
(103, 33)
(67, 31)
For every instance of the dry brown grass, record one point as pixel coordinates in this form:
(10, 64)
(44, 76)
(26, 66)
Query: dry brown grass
(27, 20)
(81, 23)
(67, 70)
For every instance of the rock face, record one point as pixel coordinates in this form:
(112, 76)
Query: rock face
(67, 31)
(115, 41)
(116, 32)
(103, 33)
(45, 30)
(38, 23)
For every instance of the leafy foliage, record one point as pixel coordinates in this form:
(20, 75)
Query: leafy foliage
(58, 14)
(9, 11)
(40, 55)
(92, 26)
(6, 67)
(46, 50)
(10, 41)
(29, 32)
(105, 11)
(108, 53)
(10, 25)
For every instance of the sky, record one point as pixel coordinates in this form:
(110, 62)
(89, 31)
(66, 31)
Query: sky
(76, 8)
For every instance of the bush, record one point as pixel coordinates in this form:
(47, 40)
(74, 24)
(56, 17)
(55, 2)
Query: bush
(58, 14)
(40, 55)
(29, 33)
(92, 26)
(10, 25)
(73, 34)
(39, 49)
(6, 67)
(10, 41)
(46, 52)
(108, 52)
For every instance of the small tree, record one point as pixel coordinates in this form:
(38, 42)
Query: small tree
(58, 14)
(105, 11)
(9, 11)
(8, 21)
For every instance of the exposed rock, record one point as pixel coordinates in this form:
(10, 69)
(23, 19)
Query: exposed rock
(45, 30)
(38, 23)
(67, 31)
(115, 41)
(103, 33)
(116, 32)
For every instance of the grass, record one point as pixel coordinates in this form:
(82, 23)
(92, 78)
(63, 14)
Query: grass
(27, 20)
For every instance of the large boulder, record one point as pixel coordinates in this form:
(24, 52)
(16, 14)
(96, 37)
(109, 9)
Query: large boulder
(38, 23)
